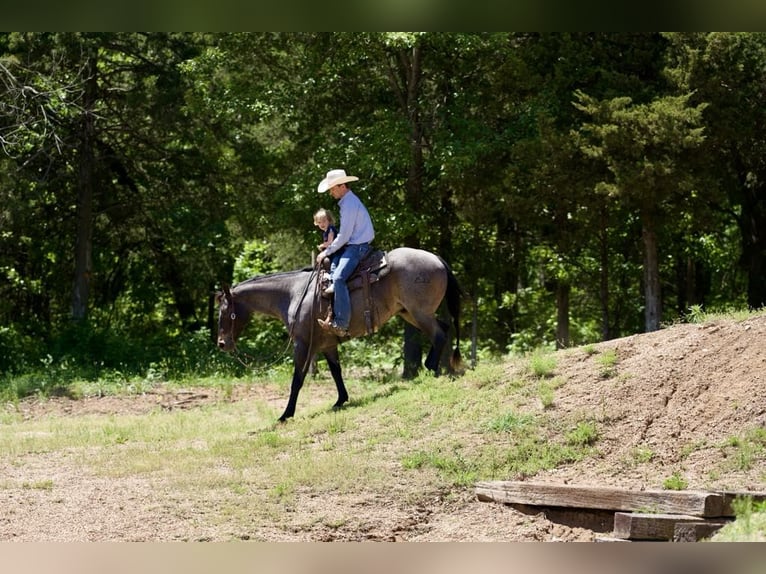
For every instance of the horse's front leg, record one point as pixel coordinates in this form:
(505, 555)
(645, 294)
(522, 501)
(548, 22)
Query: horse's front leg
(300, 368)
(333, 361)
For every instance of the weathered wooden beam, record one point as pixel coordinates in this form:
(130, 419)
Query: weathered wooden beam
(687, 502)
(635, 526)
(594, 519)
(696, 531)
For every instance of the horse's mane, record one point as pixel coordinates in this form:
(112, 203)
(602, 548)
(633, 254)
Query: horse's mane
(274, 275)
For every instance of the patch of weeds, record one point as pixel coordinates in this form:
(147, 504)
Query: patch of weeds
(695, 314)
(608, 363)
(748, 449)
(227, 388)
(542, 363)
(415, 460)
(675, 482)
(239, 488)
(531, 449)
(698, 315)
(271, 439)
(642, 454)
(584, 434)
(489, 374)
(337, 424)
(688, 449)
(545, 392)
(283, 491)
(38, 485)
(714, 475)
(455, 467)
(590, 349)
(114, 434)
(531, 454)
(512, 422)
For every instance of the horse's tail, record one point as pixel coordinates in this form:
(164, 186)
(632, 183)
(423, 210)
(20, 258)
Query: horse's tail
(454, 298)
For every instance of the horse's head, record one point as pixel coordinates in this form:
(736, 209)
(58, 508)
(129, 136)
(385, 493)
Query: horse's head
(232, 318)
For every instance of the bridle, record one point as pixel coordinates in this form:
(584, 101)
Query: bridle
(238, 354)
(233, 316)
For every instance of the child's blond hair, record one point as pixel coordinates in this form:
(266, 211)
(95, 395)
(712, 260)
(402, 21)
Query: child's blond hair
(324, 214)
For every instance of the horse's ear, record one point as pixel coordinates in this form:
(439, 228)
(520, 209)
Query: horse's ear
(225, 292)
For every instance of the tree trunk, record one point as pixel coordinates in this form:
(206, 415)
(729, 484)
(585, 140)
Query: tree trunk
(411, 72)
(507, 279)
(753, 227)
(606, 331)
(85, 191)
(651, 275)
(563, 291)
(171, 272)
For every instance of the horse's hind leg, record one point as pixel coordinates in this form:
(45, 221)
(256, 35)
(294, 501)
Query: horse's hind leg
(433, 360)
(333, 361)
(435, 330)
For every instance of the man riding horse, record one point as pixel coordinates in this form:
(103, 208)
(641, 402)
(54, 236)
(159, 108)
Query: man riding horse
(352, 244)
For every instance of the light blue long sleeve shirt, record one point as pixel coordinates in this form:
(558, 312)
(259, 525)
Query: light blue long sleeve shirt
(355, 224)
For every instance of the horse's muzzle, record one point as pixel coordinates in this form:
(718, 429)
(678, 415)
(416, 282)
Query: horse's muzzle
(225, 344)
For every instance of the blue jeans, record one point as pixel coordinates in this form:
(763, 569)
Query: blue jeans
(341, 269)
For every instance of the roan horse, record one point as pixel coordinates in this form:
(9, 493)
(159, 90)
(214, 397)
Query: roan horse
(415, 285)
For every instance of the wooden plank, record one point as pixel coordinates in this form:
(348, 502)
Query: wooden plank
(696, 531)
(688, 502)
(648, 526)
(594, 519)
(610, 539)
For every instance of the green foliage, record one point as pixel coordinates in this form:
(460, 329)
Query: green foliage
(697, 314)
(541, 363)
(279, 252)
(208, 148)
(456, 469)
(546, 394)
(18, 350)
(513, 423)
(85, 359)
(675, 482)
(747, 449)
(608, 362)
(749, 524)
(642, 455)
(584, 434)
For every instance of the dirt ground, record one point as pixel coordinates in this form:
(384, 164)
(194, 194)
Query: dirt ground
(684, 394)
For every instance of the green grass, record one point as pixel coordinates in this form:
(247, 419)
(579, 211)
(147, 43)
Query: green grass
(746, 450)
(697, 314)
(542, 362)
(438, 435)
(675, 482)
(641, 455)
(749, 524)
(443, 433)
(607, 363)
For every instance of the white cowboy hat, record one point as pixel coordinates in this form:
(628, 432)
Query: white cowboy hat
(335, 177)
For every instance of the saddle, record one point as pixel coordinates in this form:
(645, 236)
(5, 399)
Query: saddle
(371, 269)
